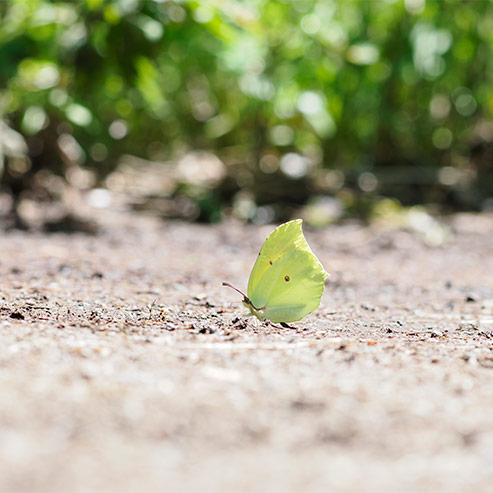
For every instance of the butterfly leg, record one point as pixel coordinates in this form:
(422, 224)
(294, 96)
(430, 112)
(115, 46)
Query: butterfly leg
(282, 324)
(287, 326)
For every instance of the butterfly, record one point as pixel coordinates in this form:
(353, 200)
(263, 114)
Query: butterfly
(287, 280)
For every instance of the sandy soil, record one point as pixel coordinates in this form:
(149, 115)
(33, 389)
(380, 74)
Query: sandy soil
(126, 366)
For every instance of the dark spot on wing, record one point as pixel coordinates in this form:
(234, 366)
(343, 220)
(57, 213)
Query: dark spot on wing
(287, 278)
(270, 262)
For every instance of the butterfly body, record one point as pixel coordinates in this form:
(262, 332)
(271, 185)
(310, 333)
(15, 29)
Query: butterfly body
(287, 280)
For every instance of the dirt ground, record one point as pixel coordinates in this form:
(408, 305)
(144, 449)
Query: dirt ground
(126, 366)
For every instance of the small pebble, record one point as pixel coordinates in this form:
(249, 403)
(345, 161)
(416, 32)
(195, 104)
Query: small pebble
(437, 333)
(17, 315)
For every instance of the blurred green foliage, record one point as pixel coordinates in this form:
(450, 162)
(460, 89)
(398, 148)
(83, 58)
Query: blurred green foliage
(299, 99)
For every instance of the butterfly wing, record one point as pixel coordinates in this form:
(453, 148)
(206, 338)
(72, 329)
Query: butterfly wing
(287, 237)
(298, 288)
(287, 278)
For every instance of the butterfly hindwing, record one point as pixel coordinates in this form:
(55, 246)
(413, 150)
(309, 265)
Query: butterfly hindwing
(297, 289)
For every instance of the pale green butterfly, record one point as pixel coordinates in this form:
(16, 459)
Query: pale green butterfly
(287, 280)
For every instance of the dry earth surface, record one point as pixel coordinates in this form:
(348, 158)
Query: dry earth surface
(126, 366)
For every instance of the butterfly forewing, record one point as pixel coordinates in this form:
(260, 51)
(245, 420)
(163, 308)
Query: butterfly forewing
(285, 238)
(268, 279)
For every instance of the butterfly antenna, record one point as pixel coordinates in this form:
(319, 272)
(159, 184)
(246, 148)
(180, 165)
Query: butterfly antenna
(246, 299)
(236, 289)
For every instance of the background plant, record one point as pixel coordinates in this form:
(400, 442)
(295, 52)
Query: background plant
(299, 100)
